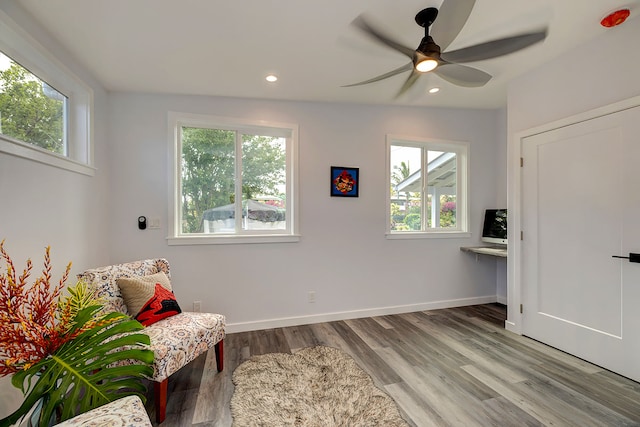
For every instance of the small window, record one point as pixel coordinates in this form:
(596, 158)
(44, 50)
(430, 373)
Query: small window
(30, 109)
(235, 180)
(427, 187)
(44, 109)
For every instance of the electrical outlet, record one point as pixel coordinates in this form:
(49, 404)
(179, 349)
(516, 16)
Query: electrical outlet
(197, 306)
(311, 296)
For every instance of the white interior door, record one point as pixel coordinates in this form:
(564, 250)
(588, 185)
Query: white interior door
(581, 206)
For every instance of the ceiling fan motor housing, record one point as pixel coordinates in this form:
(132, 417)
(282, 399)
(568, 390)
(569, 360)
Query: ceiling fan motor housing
(428, 48)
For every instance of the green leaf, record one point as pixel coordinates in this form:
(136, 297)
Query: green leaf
(84, 373)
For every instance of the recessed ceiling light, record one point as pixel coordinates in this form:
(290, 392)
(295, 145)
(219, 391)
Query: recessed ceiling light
(271, 78)
(434, 90)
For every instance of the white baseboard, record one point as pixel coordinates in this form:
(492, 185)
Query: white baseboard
(355, 314)
(512, 327)
(501, 299)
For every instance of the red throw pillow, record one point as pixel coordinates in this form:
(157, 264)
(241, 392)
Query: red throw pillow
(161, 305)
(148, 298)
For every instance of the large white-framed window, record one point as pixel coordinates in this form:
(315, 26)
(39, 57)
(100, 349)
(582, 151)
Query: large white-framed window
(233, 180)
(427, 187)
(45, 110)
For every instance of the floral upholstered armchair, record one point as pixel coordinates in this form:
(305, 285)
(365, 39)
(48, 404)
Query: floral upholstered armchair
(176, 337)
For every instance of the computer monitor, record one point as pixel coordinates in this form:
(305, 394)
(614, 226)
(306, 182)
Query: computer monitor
(494, 229)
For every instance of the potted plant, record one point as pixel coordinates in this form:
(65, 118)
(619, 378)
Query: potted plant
(62, 352)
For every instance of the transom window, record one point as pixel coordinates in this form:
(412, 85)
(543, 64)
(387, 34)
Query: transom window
(45, 109)
(235, 180)
(30, 109)
(427, 187)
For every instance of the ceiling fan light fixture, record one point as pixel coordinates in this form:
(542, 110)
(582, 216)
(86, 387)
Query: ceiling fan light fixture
(425, 65)
(427, 55)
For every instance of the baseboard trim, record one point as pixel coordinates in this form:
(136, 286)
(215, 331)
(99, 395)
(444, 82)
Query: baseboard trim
(512, 327)
(502, 299)
(355, 314)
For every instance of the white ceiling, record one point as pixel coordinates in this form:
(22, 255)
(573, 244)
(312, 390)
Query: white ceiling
(226, 48)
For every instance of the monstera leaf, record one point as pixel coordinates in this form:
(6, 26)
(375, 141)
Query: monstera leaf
(86, 372)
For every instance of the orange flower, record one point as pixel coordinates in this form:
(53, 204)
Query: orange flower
(33, 322)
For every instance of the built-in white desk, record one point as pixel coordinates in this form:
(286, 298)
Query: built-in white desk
(499, 254)
(498, 251)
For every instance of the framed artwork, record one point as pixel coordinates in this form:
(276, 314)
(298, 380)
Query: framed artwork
(344, 181)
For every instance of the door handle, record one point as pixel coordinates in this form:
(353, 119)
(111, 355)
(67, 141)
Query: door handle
(632, 257)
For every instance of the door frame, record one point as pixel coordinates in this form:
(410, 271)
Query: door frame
(514, 202)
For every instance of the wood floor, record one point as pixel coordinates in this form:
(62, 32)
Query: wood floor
(450, 367)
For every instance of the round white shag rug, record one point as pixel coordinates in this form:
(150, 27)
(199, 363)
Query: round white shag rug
(318, 386)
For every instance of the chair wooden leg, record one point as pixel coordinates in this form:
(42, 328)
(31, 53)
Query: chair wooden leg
(219, 349)
(160, 396)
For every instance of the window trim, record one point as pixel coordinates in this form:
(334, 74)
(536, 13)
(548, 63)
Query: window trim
(178, 119)
(462, 150)
(24, 49)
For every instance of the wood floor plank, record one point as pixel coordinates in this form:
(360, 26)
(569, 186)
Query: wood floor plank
(382, 322)
(420, 346)
(446, 394)
(327, 335)
(532, 347)
(418, 412)
(444, 359)
(620, 400)
(454, 339)
(538, 409)
(370, 331)
(508, 414)
(216, 389)
(449, 367)
(299, 337)
(367, 357)
(585, 410)
(436, 390)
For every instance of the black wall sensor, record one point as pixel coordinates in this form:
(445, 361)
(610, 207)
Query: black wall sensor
(142, 222)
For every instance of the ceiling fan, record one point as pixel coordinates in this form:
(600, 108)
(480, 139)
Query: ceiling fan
(429, 56)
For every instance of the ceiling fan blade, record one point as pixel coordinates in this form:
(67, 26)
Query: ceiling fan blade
(494, 48)
(452, 16)
(462, 75)
(361, 23)
(391, 73)
(411, 80)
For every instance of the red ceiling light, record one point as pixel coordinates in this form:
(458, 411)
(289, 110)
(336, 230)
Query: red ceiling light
(615, 18)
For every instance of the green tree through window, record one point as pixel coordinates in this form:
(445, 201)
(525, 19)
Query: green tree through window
(30, 110)
(430, 196)
(209, 171)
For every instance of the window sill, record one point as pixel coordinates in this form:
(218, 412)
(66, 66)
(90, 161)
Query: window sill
(428, 235)
(39, 155)
(232, 239)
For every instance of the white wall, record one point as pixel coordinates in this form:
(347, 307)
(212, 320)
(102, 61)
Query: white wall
(501, 202)
(601, 72)
(343, 254)
(598, 73)
(42, 205)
